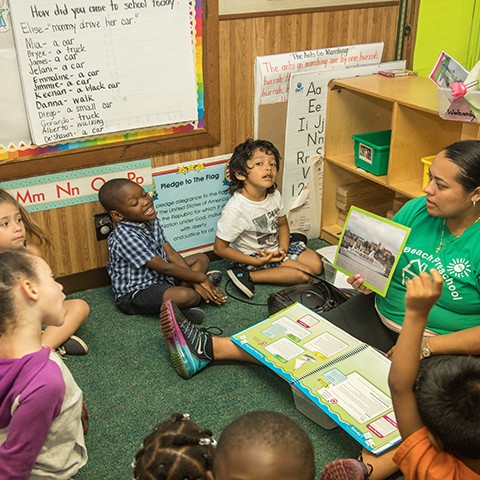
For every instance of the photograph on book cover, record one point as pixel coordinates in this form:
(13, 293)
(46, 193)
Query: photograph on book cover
(370, 245)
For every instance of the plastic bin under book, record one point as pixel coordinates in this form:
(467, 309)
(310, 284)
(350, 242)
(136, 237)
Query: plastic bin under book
(372, 150)
(304, 405)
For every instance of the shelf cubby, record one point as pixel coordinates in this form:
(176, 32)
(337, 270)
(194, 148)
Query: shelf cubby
(407, 106)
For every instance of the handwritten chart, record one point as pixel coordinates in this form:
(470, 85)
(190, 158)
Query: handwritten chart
(273, 72)
(95, 67)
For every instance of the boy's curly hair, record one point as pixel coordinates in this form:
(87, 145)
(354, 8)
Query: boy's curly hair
(107, 195)
(177, 449)
(244, 152)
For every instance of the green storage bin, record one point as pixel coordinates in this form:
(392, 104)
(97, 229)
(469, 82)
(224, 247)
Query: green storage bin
(372, 150)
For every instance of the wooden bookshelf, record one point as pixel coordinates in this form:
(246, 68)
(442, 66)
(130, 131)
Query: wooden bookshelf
(407, 106)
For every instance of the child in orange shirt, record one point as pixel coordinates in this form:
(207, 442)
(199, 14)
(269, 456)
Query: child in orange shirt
(437, 414)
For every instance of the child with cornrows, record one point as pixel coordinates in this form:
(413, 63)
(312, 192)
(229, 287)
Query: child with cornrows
(16, 228)
(177, 449)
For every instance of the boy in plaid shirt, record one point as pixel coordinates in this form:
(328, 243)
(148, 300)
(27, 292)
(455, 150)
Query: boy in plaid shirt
(144, 268)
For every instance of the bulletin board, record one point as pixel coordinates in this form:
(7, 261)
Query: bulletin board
(108, 81)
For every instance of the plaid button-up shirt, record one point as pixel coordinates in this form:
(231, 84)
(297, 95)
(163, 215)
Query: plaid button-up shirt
(130, 246)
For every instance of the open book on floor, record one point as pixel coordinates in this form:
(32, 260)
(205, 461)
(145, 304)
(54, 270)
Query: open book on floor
(329, 369)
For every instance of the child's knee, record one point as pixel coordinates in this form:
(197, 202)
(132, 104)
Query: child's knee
(78, 309)
(186, 297)
(314, 262)
(317, 266)
(302, 277)
(85, 308)
(202, 261)
(205, 260)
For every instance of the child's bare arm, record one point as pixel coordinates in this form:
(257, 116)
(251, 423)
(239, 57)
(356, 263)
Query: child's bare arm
(422, 293)
(176, 270)
(223, 249)
(283, 234)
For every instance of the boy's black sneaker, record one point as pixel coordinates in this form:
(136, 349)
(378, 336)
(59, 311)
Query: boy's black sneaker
(215, 276)
(242, 280)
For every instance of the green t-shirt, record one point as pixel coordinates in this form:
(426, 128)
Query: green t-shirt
(458, 262)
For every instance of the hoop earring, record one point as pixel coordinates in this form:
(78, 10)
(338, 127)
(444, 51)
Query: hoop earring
(474, 203)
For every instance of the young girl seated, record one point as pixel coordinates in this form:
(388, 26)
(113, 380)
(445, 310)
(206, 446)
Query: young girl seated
(41, 434)
(15, 226)
(177, 449)
(253, 230)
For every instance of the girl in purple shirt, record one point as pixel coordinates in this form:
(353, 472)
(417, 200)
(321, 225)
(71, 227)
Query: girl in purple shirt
(41, 434)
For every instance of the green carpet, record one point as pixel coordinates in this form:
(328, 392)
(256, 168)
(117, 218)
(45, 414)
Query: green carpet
(129, 384)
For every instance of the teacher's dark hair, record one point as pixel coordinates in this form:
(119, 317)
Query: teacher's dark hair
(466, 155)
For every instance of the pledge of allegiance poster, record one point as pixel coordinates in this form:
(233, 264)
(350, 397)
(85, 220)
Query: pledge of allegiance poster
(189, 199)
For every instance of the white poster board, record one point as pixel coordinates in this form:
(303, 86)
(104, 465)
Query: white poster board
(305, 126)
(272, 72)
(13, 123)
(306, 218)
(103, 66)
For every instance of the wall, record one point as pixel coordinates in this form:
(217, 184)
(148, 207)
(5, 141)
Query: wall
(75, 248)
(449, 26)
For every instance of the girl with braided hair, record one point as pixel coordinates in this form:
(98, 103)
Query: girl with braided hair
(177, 449)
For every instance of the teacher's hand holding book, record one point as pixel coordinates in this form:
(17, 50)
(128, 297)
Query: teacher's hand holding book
(356, 281)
